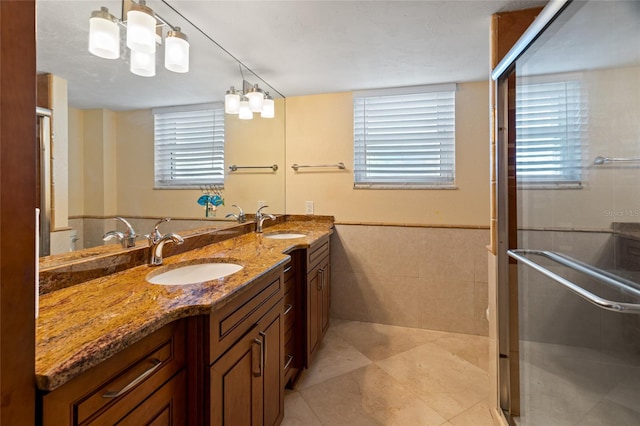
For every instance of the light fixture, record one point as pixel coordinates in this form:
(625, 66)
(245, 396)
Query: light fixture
(141, 28)
(143, 31)
(104, 34)
(232, 101)
(244, 112)
(268, 107)
(176, 51)
(256, 98)
(143, 64)
(251, 99)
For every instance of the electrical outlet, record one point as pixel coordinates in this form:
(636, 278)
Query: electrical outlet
(262, 203)
(308, 207)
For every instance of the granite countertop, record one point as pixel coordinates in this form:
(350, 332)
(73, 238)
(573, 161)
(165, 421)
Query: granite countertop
(80, 326)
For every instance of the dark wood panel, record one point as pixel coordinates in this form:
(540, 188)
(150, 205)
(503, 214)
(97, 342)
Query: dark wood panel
(17, 212)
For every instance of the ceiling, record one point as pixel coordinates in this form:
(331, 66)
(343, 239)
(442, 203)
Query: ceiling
(298, 47)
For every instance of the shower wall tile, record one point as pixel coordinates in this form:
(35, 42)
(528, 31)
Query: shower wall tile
(432, 278)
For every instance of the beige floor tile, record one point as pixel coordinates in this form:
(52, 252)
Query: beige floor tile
(381, 341)
(478, 415)
(368, 396)
(474, 349)
(446, 382)
(335, 357)
(297, 412)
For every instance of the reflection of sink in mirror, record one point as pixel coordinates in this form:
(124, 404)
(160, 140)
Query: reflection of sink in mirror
(191, 273)
(284, 236)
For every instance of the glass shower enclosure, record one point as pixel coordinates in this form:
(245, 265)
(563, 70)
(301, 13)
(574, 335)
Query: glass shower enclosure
(568, 171)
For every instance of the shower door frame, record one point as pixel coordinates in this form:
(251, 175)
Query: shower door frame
(507, 278)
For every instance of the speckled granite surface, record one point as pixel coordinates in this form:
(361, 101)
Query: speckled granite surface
(81, 325)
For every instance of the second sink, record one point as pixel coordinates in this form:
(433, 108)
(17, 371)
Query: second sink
(192, 273)
(284, 235)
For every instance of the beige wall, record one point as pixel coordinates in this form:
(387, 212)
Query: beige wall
(320, 131)
(76, 161)
(60, 154)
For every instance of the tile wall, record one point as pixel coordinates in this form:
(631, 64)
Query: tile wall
(433, 278)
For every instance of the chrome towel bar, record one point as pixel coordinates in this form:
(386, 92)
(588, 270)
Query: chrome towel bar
(339, 165)
(603, 160)
(591, 271)
(233, 167)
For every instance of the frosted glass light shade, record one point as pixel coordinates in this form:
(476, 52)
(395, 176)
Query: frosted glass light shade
(268, 108)
(245, 110)
(141, 29)
(176, 51)
(143, 64)
(256, 98)
(232, 102)
(104, 34)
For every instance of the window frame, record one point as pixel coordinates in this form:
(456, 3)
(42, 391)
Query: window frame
(360, 145)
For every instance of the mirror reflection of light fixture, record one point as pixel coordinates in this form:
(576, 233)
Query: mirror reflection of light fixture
(244, 112)
(104, 34)
(268, 107)
(251, 99)
(143, 31)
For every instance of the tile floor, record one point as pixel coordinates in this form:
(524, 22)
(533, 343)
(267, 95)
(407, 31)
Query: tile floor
(376, 374)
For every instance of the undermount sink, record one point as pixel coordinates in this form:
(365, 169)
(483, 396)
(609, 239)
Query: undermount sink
(192, 273)
(284, 235)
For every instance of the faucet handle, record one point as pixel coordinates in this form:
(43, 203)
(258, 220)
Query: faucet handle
(241, 216)
(260, 209)
(130, 232)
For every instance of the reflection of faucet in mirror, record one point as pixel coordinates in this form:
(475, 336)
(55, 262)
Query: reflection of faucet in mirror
(260, 218)
(127, 239)
(157, 242)
(240, 217)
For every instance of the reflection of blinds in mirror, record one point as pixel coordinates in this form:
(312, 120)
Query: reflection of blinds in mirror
(405, 137)
(189, 146)
(551, 121)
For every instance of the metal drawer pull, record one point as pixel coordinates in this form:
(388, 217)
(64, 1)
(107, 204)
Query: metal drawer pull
(321, 280)
(261, 365)
(289, 308)
(156, 364)
(287, 269)
(288, 361)
(588, 270)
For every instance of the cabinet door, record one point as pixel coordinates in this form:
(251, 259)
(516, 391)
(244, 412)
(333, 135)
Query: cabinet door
(318, 303)
(236, 384)
(166, 407)
(247, 386)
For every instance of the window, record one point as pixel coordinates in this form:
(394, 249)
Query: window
(550, 126)
(405, 138)
(189, 146)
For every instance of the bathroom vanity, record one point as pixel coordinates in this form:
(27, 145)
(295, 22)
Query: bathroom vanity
(117, 349)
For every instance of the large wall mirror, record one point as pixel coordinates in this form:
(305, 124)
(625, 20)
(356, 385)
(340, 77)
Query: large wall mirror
(99, 162)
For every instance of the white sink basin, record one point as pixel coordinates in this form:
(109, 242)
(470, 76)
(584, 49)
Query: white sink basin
(284, 236)
(193, 273)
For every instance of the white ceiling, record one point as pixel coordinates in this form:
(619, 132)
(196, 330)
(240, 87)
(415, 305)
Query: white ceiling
(298, 47)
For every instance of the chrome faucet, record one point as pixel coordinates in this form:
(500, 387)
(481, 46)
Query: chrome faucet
(260, 218)
(157, 242)
(240, 217)
(127, 239)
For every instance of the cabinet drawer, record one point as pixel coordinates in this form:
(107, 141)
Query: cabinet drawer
(289, 271)
(317, 252)
(233, 320)
(107, 392)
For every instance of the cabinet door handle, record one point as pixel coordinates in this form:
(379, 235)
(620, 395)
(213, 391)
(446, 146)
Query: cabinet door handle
(113, 394)
(258, 372)
(321, 280)
(290, 358)
(287, 269)
(288, 309)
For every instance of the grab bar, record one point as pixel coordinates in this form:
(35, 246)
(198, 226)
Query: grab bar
(233, 167)
(602, 160)
(619, 282)
(339, 165)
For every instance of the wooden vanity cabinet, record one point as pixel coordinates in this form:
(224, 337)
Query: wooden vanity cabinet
(318, 296)
(246, 372)
(294, 317)
(143, 384)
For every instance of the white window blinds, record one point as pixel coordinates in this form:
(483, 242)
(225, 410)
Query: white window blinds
(189, 146)
(405, 138)
(551, 120)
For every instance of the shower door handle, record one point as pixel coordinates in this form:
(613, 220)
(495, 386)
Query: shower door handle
(595, 273)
